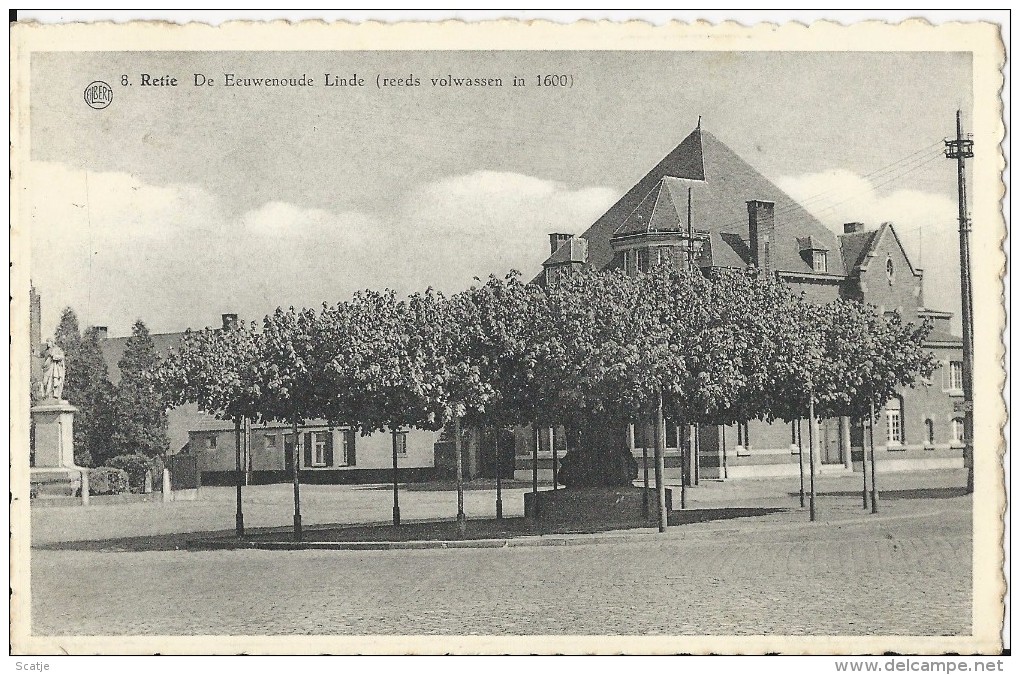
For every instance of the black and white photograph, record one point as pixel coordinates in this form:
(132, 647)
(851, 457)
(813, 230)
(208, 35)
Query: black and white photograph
(507, 338)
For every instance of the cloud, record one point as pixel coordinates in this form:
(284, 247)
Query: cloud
(924, 221)
(120, 249)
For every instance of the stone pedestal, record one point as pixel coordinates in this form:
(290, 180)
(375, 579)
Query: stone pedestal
(54, 471)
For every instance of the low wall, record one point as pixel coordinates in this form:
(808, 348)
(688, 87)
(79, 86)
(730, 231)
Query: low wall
(327, 477)
(622, 505)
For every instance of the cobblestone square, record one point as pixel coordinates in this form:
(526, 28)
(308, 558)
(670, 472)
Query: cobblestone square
(116, 570)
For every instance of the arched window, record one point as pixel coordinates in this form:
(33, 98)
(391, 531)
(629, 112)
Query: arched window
(929, 431)
(957, 434)
(890, 270)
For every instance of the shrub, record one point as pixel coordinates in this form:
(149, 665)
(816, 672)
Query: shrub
(106, 480)
(136, 466)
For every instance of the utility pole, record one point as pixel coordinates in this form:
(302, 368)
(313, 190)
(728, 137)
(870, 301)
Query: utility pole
(960, 149)
(690, 233)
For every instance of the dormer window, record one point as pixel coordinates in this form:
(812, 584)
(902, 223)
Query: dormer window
(819, 261)
(815, 253)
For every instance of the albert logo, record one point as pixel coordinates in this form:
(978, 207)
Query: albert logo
(98, 95)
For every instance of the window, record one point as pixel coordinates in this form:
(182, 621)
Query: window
(401, 441)
(820, 261)
(890, 271)
(743, 436)
(956, 374)
(642, 259)
(270, 441)
(957, 434)
(347, 457)
(743, 439)
(929, 432)
(210, 442)
(630, 261)
(894, 426)
(319, 446)
(551, 277)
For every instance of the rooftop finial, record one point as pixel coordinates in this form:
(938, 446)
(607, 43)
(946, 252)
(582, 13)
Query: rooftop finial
(699, 122)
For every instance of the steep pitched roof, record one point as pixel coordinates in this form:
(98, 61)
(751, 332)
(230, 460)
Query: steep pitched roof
(113, 350)
(859, 247)
(855, 248)
(720, 184)
(657, 212)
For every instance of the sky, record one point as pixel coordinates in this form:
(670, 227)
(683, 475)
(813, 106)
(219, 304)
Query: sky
(177, 204)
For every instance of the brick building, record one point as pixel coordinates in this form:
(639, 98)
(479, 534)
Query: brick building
(702, 200)
(326, 455)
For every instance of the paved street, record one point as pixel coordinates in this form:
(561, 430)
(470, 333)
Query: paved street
(905, 571)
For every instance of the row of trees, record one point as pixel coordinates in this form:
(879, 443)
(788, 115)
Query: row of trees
(594, 353)
(113, 420)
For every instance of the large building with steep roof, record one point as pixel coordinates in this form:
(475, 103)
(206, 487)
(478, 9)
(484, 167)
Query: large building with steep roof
(704, 202)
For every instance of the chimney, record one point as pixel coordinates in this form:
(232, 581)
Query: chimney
(556, 240)
(229, 321)
(761, 225)
(850, 228)
(102, 332)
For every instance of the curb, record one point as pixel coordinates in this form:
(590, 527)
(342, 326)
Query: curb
(671, 534)
(540, 540)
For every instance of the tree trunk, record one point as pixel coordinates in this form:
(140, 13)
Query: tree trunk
(239, 514)
(499, 478)
(871, 443)
(396, 491)
(296, 464)
(461, 518)
(660, 464)
(599, 456)
(811, 452)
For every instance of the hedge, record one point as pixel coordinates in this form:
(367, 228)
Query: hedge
(136, 466)
(107, 480)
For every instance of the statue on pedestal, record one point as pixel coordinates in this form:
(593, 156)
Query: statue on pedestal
(53, 371)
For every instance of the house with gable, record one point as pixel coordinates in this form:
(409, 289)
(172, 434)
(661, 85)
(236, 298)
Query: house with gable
(704, 203)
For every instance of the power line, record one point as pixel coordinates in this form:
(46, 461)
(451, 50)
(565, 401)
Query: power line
(903, 166)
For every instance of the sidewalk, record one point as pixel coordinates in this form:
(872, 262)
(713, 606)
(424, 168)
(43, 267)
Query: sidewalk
(359, 517)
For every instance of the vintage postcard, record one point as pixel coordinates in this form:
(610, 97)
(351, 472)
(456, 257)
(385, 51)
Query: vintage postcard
(507, 337)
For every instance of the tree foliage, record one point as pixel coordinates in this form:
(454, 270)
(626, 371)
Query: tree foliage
(219, 370)
(87, 386)
(594, 352)
(140, 419)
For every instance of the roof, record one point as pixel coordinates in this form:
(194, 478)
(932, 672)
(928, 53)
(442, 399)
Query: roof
(942, 336)
(720, 184)
(859, 247)
(572, 250)
(113, 350)
(811, 243)
(856, 247)
(659, 211)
